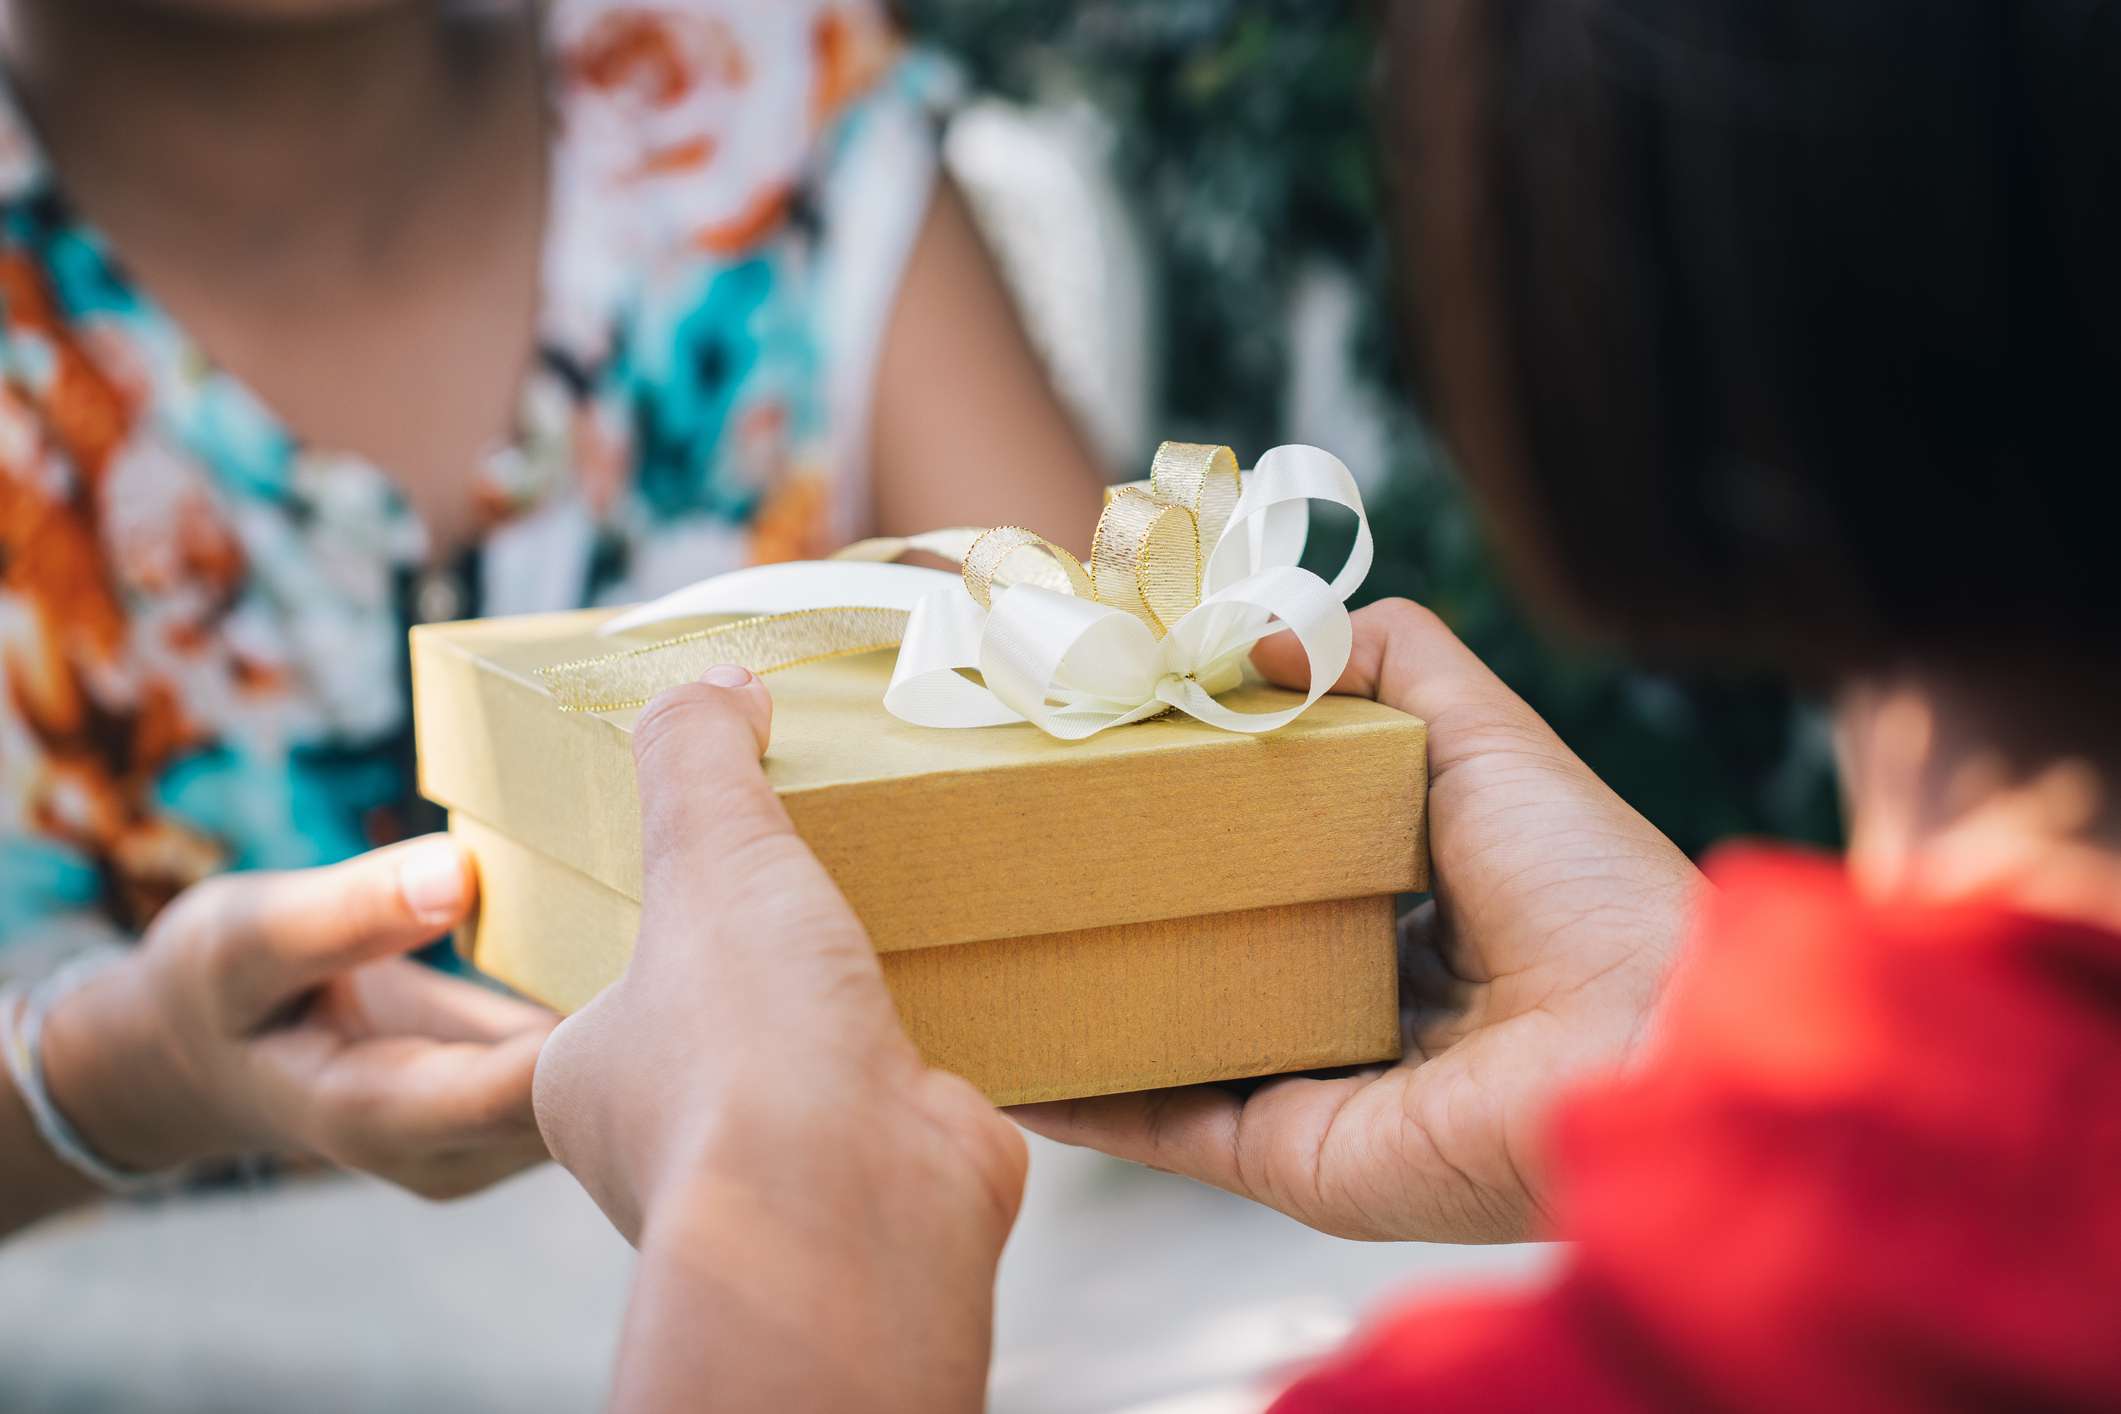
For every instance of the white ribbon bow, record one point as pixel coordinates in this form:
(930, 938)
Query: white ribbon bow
(1074, 651)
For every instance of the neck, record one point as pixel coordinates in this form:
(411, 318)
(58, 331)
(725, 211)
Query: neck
(260, 127)
(1959, 789)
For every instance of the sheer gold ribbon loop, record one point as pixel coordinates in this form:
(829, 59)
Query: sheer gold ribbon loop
(1204, 479)
(1150, 557)
(1145, 559)
(1010, 554)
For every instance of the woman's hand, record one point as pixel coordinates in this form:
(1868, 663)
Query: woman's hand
(819, 1213)
(274, 1012)
(1555, 916)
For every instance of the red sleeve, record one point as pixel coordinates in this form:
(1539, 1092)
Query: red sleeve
(1874, 1163)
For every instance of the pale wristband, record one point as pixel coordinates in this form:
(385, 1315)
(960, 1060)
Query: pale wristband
(22, 1017)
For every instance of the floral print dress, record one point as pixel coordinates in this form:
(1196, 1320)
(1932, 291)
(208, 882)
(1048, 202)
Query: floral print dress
(202, 617)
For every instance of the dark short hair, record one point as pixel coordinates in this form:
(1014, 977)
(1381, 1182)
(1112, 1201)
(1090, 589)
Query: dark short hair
(1780, 329)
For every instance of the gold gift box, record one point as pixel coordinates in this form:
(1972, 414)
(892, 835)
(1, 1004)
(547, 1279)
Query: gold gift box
(1163, 904)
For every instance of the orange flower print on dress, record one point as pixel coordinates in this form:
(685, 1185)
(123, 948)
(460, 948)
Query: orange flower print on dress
(659, 59)
(88, 415)
(691, 155)
(742, 230)
(103, 733)
(794, 522)
(854, 47)
(25, 296)
(54, 566)
(659, 53)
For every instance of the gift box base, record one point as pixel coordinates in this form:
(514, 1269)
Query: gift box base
(1055, 1016)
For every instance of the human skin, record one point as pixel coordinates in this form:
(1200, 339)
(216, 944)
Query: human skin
(819, 1213)
(1556, 914)
(273, 1012)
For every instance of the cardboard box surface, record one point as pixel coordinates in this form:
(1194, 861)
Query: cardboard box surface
(1162, 903)
(1064, 1015)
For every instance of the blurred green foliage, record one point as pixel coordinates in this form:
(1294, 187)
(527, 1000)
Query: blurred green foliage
(1244, 142)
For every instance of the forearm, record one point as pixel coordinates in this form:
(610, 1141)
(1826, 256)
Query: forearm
(34, 1184)
(748, 1302)
(110, 1088)
(967, 430)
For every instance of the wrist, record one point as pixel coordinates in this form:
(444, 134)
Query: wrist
(887, 1324)
(864, 1257)
(874, 1174)
(112, 1072)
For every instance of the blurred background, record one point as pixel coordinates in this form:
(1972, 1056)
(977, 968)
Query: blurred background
(1186, 197)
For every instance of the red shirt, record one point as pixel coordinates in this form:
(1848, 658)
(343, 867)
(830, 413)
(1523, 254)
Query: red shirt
(1873, 1162)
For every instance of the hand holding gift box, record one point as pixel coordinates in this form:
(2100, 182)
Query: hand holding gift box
(1060, 912)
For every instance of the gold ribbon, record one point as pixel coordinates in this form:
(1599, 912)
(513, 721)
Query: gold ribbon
(612, 682)
(1148, 558)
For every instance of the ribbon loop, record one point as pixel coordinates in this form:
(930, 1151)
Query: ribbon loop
(1146, 559)
(1010, 554)
(1202, 478)
(1273, 519)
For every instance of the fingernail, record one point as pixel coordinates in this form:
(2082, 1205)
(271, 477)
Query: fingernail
(726, 675)
(431, 878)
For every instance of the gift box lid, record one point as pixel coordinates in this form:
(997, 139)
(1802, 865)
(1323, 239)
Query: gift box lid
(949, 836)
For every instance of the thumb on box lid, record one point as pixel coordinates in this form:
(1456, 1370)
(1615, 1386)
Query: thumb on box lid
(696, 751)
